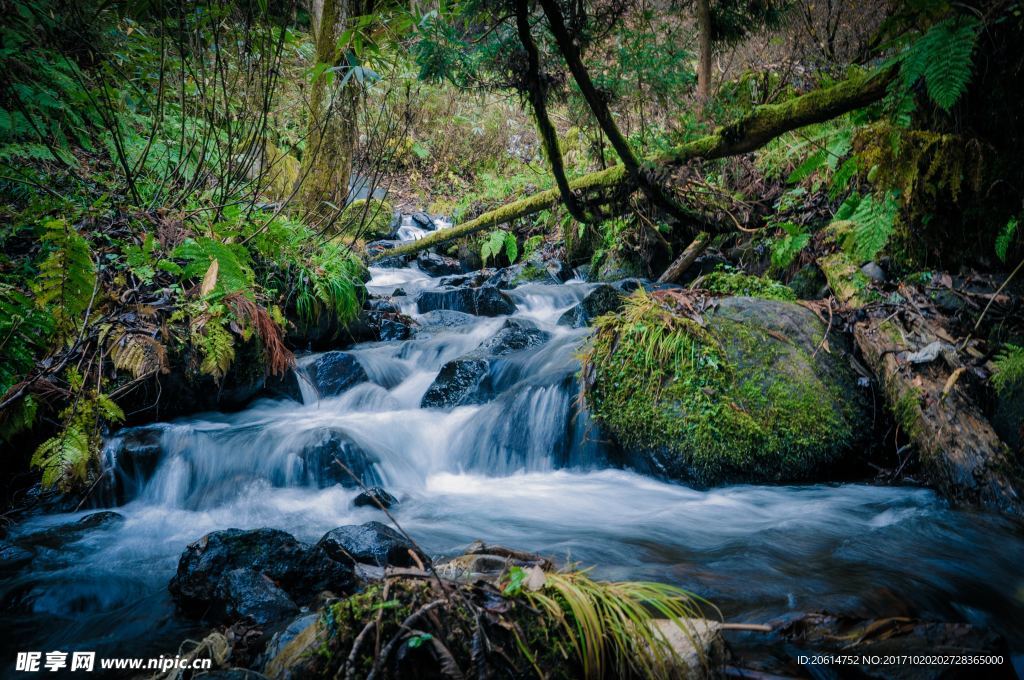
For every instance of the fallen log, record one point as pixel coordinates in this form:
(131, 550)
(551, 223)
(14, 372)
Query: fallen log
(919, 368)
(751, 132)
(697, 246)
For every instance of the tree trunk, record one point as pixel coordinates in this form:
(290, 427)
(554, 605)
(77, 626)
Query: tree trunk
(327, 162)
(704, 51)
(699, 244)
(959, 452)
(747, 134)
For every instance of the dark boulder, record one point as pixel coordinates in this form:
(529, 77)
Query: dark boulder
(603, 299)
(438, 265)
(466, 380)
(216, 574)
(398, 292)
(458, 383)
(423, 220)
(370, 543)
(334, 372)
(473, 279)
(375, 497)
(382, 304)
(249, 593)
(559, 270)
(328, 448)
(507, 277)
(373, 325)
(283, 386)
(483, 301)
(13, 557)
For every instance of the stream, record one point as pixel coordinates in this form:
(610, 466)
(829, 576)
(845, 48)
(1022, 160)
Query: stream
(525, 469)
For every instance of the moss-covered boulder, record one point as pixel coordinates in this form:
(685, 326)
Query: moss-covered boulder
(742, 390)
(370, 218)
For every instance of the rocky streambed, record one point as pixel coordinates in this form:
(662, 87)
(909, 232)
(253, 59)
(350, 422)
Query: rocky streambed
(464, 407)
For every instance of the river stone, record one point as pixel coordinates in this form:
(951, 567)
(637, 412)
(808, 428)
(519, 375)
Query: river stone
(375, 497)
(13, 557)
(603, 299)
(433, 264)
(202, 584)
(370, 543)
(248, 593)
(483, 301)
(334, 372)
(321, 456)
(283, 386)
(764, 403)
(423, 220)
(466, 380)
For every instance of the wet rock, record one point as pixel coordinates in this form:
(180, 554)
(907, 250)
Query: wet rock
(423, 220)
(13, 557)
(458, 383)
(283, 386)
(216, 574)
(391, 329)
(559, 271)
(60, 536)
(507, 277)
(443, 318)
(603, 299)
(473, 279)
(379, 304)
(132, 456)
(433, 264)
(370, 543)
(398, 292)
(483, 301)
(809, 283)
(466, 380)
(283, 638)
(375, 497)
(248, 593)
(374, 325)
(330, 447)
(492, 302)
(334, 372)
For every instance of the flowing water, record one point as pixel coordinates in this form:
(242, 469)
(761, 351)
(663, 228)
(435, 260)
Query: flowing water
(527, 470)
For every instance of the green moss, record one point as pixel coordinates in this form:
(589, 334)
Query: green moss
(848, 283)
(370, 218)
(726, 401)
(906, 408)
(738, 283)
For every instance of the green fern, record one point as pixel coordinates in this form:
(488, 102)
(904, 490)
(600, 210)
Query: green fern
(873, 223)
(17, 417)
(67, 277)
(499, 240)
(785, 249)
(1009, 365)
(1005, 238)
(330, 280)
(24, 331)
(234, 266)
(64, 458)
(943, 58)
(217, 345)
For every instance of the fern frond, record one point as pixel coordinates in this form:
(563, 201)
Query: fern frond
(64, 457)
(234, 267)
(140, 355)
(943, 58)
(24, 331)
(874, 220)
(217, 346)
(1009, 365)
(18, 417)
(67, 276)
(1005, 238)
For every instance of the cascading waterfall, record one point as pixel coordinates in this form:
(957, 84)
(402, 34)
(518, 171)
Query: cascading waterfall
(524, 468)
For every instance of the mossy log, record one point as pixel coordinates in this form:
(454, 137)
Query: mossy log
(751, 132)
(959, 451)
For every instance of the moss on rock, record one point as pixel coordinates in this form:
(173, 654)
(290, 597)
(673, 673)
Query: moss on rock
(742, 394)
(368, 217)
(738, 283)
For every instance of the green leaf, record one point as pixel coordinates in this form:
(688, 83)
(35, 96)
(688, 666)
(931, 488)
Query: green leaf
(1005, 238)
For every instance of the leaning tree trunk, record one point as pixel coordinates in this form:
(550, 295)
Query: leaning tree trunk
(747, 134)
(327, 163)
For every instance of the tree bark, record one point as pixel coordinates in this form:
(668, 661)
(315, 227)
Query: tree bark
(960, 453)
(327, 163)
(751, 132)
(697, 246)
(535, 90)
(704, 51)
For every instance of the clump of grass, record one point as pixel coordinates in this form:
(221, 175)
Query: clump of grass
(611, 625)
